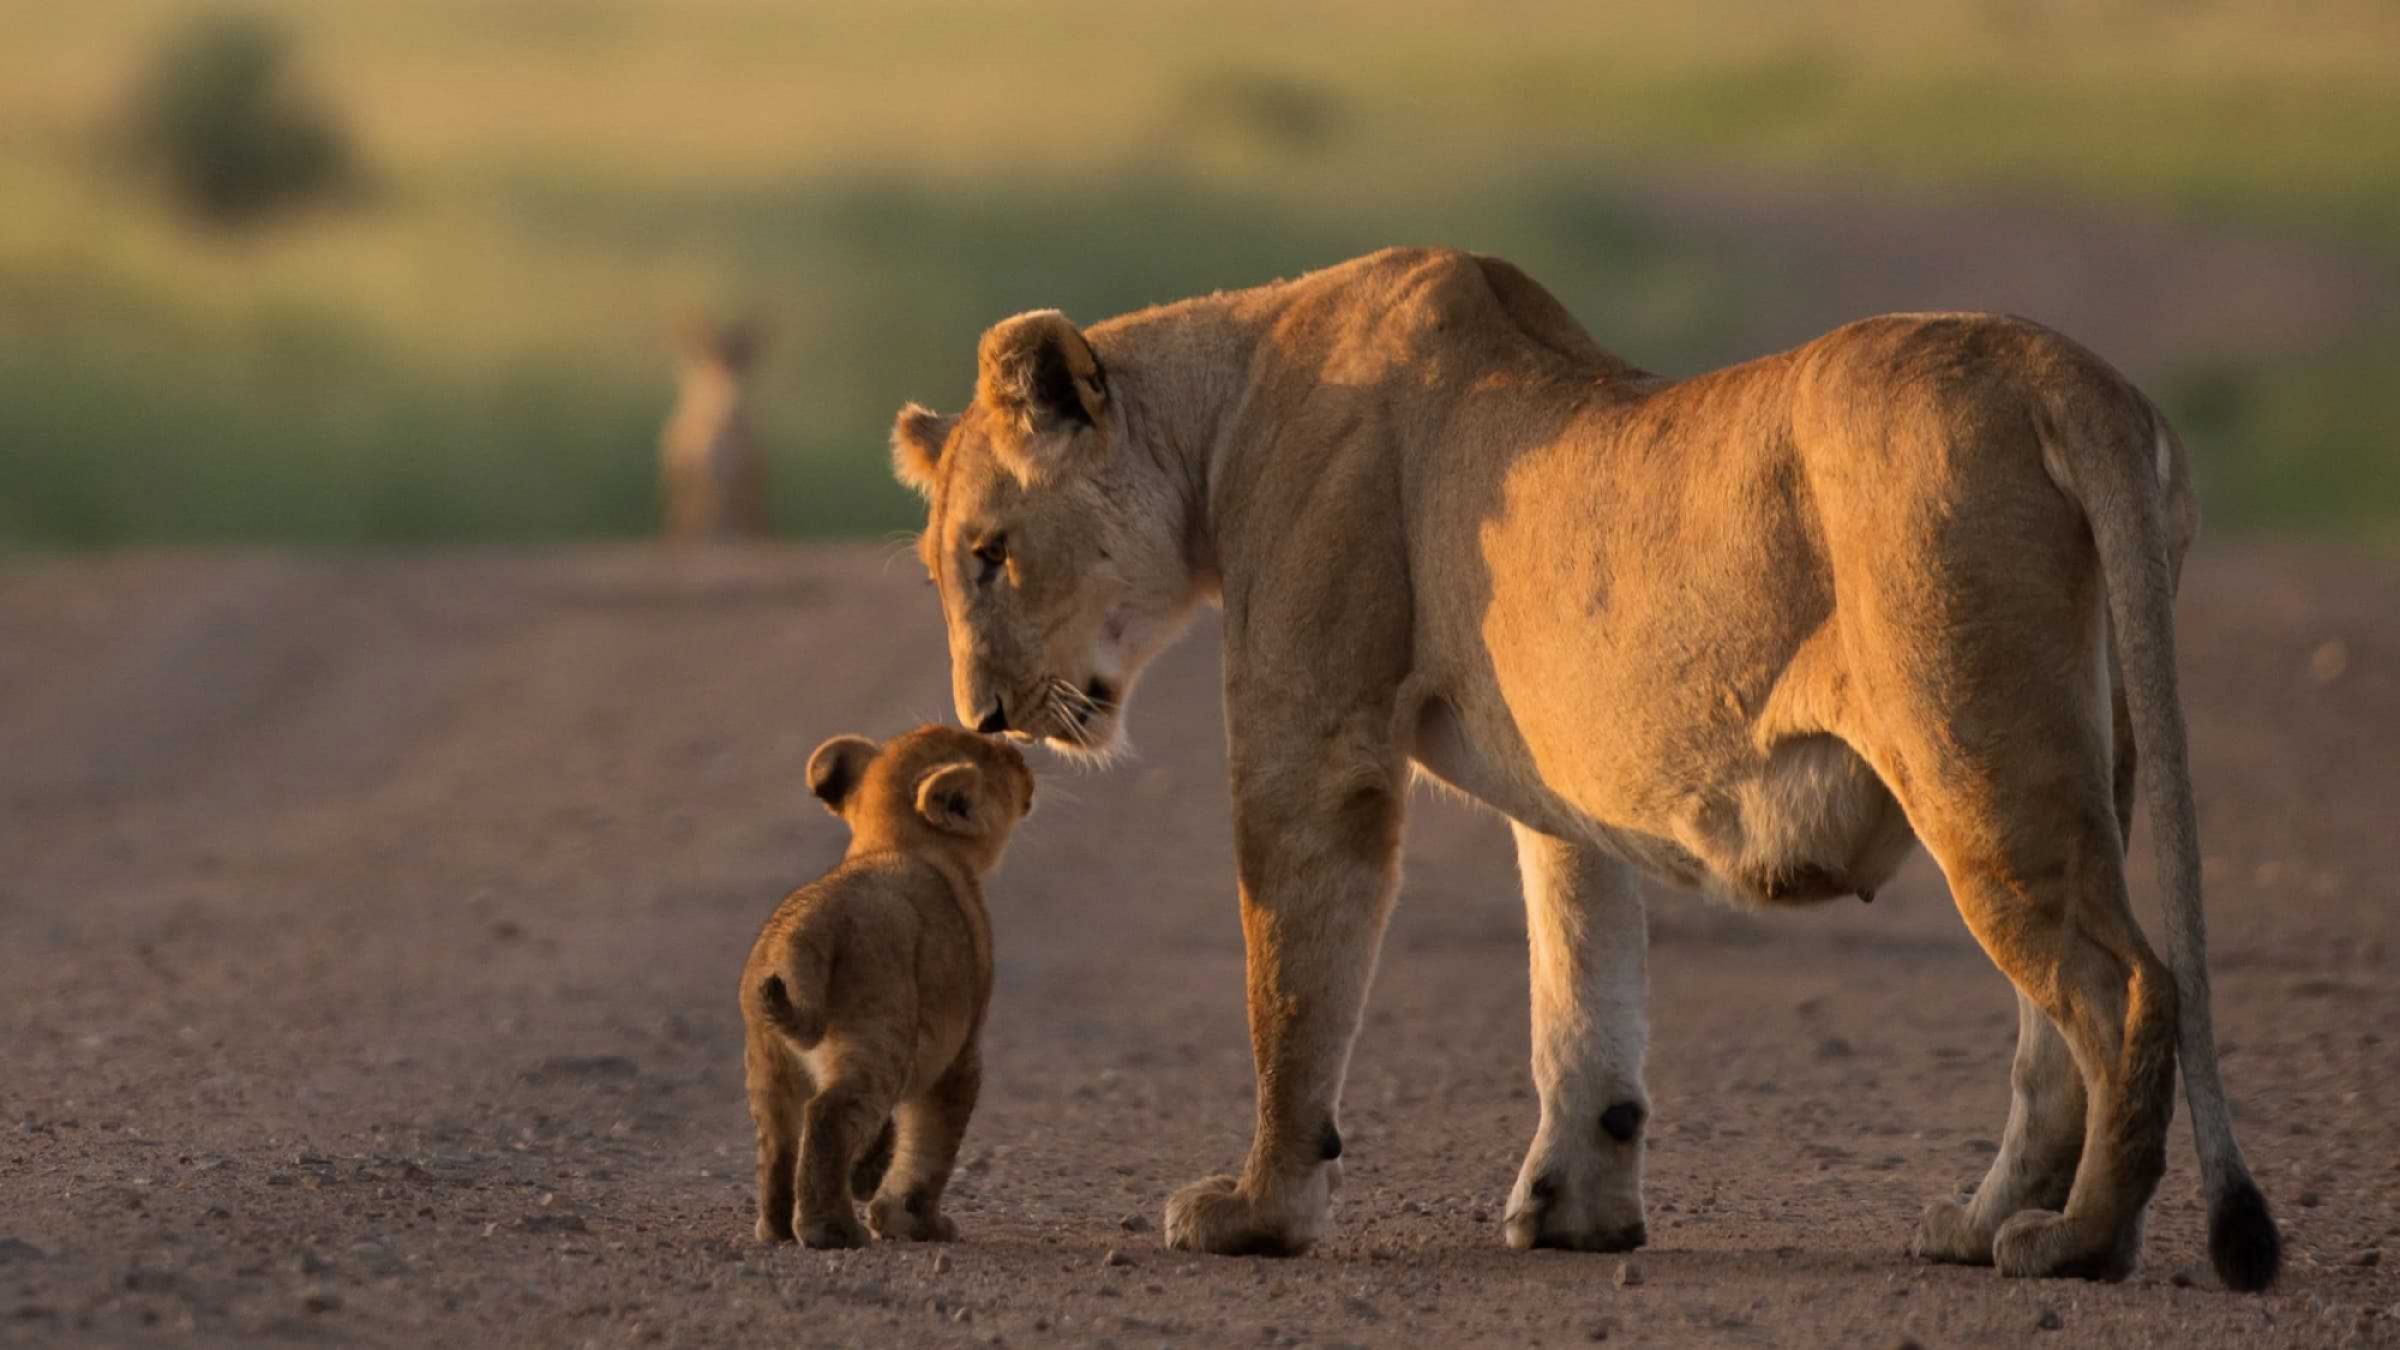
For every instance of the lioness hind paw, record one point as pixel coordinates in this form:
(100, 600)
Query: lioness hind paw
(1946, 1234)
(2038, 1244)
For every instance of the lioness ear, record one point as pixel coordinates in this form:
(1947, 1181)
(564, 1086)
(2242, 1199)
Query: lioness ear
(1038, 372)
(951, 799)
(836, 768)
(918, 435)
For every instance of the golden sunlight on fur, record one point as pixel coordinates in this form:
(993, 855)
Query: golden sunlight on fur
(1755, 631)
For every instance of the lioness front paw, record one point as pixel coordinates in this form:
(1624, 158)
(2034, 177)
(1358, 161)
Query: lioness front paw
(1945, 1232)
(832, 1231)
(909, 1217)
(1215, 1215)
(2038, 1244)
(1575, 1204)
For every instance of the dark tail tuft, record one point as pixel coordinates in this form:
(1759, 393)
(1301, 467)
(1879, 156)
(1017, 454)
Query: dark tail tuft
(807, 1027)
(2242, 1241)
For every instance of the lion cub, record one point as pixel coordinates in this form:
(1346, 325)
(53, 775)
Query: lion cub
(864, 997)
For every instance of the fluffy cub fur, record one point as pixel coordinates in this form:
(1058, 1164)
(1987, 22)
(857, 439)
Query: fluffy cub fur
(864, 997)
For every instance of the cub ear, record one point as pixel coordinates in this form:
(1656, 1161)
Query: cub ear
(1037, 371)
(918, 434)
(951, 799)
(835, 769)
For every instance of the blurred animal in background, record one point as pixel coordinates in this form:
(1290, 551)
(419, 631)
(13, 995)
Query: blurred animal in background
(712, 473)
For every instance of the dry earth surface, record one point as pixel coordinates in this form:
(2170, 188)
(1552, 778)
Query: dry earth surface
(369, 931)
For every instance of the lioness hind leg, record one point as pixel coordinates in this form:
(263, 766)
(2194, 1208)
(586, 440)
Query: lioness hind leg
(1581, 1183)
(2048, 903)
(2035, 1167)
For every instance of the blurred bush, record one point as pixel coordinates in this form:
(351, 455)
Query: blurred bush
(222, 119)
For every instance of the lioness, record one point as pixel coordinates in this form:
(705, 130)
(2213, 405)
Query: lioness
(864, 997)
(1756, 630)
(712, 473)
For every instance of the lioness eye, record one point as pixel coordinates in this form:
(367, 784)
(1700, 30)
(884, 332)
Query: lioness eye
(991, 553)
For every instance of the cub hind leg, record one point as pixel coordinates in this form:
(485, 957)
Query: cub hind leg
(908, 1206)
(838, 1128)
(779, 1092)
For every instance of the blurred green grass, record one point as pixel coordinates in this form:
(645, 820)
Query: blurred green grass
(478, 350)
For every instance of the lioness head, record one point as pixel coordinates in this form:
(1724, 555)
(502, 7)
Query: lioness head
(1061, 570)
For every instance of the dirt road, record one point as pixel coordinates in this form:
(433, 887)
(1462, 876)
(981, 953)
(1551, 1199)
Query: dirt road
(369, 931)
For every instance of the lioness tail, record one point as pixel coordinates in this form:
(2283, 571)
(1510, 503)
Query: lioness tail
(2123, 489)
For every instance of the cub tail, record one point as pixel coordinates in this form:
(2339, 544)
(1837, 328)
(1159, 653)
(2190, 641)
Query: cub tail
(793, 995)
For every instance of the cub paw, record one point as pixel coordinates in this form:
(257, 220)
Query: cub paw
(2037, 1244)
(909, 1218)
(830, 1232)
(1214, 1215)
(1945, 1233)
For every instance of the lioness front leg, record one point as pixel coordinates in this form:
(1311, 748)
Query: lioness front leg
(1317, 832)
(1581, 1185)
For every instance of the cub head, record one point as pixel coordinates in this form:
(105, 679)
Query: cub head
(1060, 561)
(936, 786)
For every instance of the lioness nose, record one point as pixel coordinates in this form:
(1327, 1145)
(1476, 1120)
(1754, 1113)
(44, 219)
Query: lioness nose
(994, 722)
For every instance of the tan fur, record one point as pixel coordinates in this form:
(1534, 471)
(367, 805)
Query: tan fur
(1753, 631)
(864, 997)
(712, 471)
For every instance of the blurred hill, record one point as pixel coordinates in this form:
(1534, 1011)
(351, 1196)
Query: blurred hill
(475, 346)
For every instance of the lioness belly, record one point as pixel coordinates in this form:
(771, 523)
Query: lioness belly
(1809, 821)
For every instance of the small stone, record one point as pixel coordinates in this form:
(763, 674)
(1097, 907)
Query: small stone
(1135, 1222)
(2049, 1320)
(2181, 1279)
(1908, 1343)
(2368, 1259)
(2310, 1200)
(1834, 1047)
(1597, 1332)
(941, 1263)
(1116, 1258)
(1628, 1275)
(1411, 1207)
(321, 1301)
